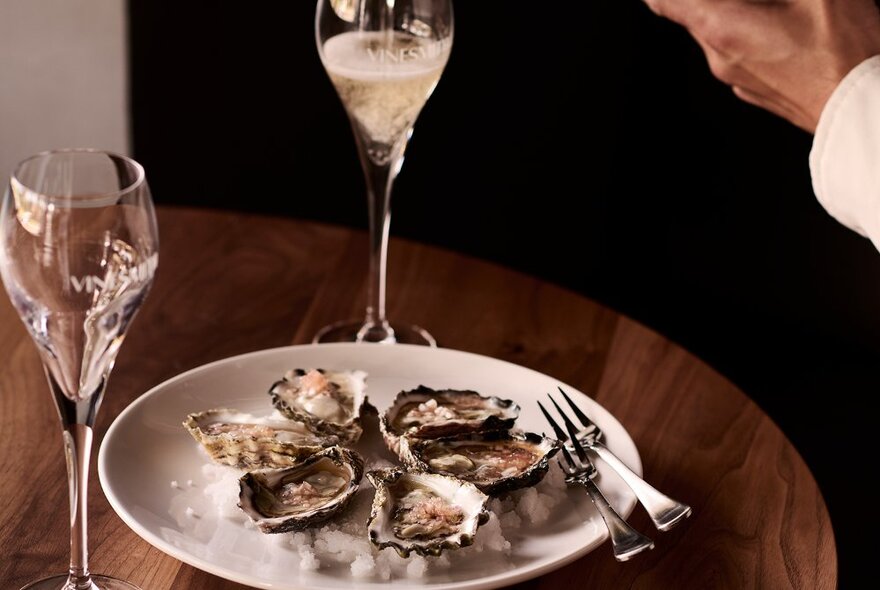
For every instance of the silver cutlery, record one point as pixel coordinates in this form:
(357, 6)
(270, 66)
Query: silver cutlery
(665, 512)
(626, 542)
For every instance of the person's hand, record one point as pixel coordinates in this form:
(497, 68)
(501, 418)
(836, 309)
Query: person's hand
(786, 56)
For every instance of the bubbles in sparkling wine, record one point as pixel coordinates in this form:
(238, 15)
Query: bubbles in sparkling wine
(384, 81)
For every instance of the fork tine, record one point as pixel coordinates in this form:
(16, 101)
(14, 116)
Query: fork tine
(570, 464)
(581, 453)
(572, 432)
(559, 433)
(568, 423)
(586, 422)
(568, 458)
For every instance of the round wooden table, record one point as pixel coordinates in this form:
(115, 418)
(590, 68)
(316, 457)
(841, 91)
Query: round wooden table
(230, 283)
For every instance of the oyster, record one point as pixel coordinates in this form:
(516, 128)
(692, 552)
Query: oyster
(427, 413)
(423, 512)
(495, 462)
(247, 441)
(329, 402)
(296, 497)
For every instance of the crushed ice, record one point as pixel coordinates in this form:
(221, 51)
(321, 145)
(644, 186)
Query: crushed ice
(344, 541)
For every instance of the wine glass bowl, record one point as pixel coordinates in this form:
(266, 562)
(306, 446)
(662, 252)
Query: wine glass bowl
(78, 250)
(384, 57)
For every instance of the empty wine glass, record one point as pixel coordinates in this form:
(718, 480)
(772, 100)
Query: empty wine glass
(78, 249)
(385, 58)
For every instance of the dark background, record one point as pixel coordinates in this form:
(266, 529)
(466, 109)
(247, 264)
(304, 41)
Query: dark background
(698, 214)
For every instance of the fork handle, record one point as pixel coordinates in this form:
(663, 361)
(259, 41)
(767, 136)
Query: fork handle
(663, 510)
(626, 542)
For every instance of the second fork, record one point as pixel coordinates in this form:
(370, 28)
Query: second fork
(664, 511)
(626, 542)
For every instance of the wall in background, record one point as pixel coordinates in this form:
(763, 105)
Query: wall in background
(63, 77)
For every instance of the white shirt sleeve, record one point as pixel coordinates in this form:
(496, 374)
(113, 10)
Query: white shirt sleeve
(845, 159)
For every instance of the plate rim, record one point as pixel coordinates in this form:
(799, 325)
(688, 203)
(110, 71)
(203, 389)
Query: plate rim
(485, 583)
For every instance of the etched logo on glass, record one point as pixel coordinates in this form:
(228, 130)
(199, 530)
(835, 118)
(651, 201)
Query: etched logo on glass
(116, 279)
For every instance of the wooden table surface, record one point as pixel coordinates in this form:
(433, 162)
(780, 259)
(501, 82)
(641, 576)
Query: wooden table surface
(230, 283)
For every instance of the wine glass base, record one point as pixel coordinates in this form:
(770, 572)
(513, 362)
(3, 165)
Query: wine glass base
(348, 331)
(98, 583)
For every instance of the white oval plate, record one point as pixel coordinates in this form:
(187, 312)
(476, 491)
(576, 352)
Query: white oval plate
(146, 449)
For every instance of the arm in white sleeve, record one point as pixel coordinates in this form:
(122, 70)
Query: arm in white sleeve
(845, 159)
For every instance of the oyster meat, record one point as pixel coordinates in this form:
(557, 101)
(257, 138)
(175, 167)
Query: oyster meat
(427, 413)
(329, 402)
(423, 512)
(495, 462)
(246, 441)
(299, 496)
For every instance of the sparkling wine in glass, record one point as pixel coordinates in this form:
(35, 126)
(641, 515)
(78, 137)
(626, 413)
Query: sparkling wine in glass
(78, 250)
(385, 58)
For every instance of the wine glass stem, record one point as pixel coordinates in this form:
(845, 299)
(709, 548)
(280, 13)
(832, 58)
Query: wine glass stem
(379, 179)
(77, 419)
(78, 448)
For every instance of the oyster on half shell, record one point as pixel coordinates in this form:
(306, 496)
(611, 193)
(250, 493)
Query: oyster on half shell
(296, 497)
(427, 413)
(495, 462)
(423, 512)
(246, 441)
(329, 402)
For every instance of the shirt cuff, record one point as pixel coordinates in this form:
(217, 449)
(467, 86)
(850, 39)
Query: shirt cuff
(845, 159)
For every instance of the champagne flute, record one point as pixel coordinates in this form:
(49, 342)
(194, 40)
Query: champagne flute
(385, 58)
(78, 249)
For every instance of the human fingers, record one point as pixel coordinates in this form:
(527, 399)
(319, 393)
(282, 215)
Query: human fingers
(747, 30)
(734, 27)
(725, 67)
(680, 11)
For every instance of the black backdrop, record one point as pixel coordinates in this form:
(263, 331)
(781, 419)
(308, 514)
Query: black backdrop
(678, 205)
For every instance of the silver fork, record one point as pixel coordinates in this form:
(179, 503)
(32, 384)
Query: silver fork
(626, 542)
(663, 510)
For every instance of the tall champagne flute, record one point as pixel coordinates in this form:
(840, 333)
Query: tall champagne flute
(78, 249)
(385, 58)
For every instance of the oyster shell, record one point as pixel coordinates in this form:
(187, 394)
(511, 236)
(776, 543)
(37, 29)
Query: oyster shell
(329, 402)
(246, 441)
(495, 462)
(423, 512)
(427, 413)
(296, 497)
